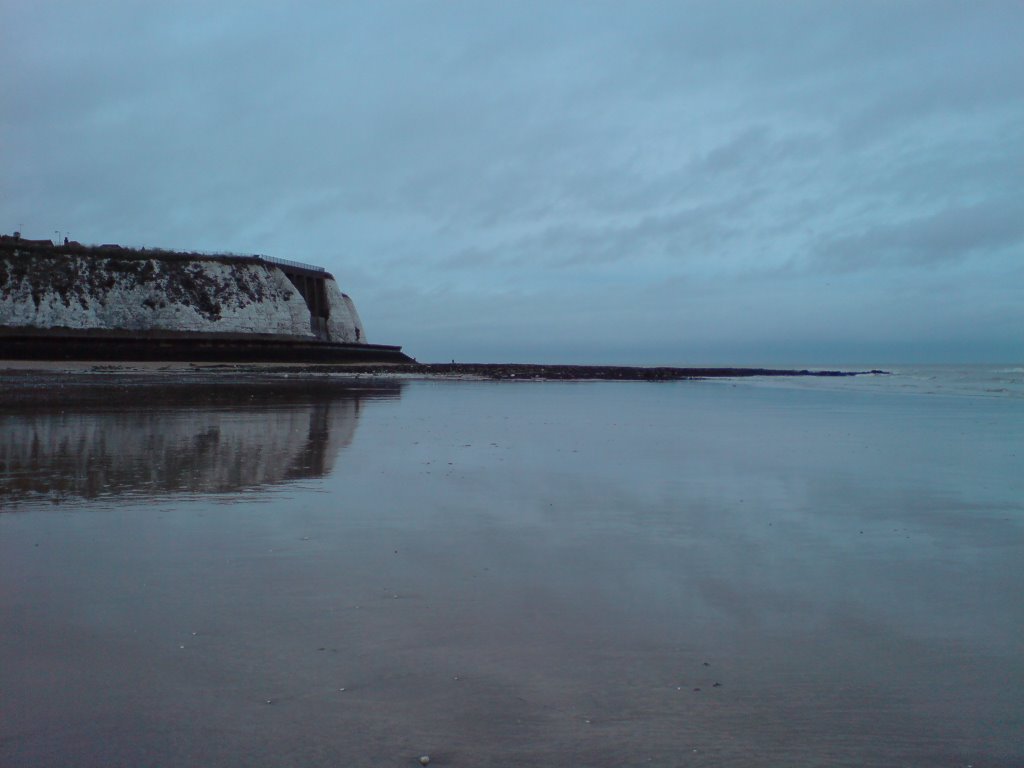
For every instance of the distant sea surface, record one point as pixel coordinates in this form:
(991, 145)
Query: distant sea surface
(749, 572)
(1002, 381)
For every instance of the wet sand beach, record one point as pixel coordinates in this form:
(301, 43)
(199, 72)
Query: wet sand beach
(235, 571)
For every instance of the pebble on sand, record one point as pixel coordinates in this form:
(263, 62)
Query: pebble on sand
(425, 760)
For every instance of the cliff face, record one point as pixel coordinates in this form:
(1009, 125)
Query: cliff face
(191, 295)
(343, 324)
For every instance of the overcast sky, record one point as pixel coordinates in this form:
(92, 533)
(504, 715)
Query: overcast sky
(719, 182)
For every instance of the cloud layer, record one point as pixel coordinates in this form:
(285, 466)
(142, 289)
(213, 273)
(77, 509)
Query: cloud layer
(668, 182)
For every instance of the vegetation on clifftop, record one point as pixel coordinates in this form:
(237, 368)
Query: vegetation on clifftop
(78, 280)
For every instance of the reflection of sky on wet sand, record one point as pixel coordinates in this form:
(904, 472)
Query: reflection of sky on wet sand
(543, 574)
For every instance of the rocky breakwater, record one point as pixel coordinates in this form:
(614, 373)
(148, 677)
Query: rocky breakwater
(121, 303)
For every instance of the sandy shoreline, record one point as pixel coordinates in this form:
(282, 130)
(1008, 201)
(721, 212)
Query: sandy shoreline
(69, 383)
(492, 371)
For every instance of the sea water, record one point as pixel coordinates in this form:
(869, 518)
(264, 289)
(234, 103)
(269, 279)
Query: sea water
(743, 572)
(999, 381)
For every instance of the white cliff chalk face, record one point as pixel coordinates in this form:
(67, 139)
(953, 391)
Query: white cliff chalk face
(128, 293)
(343, 323)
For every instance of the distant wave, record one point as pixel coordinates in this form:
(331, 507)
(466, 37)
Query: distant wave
(990, 381)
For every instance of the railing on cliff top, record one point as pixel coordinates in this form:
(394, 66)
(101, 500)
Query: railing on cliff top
(261, 257)
(258, 257)
(290, 263)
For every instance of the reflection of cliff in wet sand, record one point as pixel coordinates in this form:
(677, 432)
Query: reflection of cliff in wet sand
(177, 447)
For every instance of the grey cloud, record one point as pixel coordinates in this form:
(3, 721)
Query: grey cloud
(949, 235)
(549, 157)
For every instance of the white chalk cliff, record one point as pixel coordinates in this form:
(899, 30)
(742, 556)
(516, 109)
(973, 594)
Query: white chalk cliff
(193, 295)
